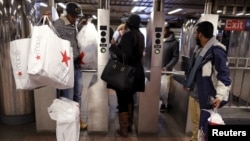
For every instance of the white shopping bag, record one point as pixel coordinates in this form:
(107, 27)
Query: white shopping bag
(87, 41)
(50, 58)
(165, 85)
(58, 69)
(66, 113)
(19, 50)
(38, 44)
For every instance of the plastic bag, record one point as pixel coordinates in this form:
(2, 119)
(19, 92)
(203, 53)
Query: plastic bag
(67, 115)
(165, 84)
(215, 118)
(87, 41)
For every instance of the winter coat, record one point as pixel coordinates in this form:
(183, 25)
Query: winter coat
(129, 46)
(212, 76)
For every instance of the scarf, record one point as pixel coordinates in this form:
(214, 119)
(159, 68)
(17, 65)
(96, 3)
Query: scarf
(198, 60)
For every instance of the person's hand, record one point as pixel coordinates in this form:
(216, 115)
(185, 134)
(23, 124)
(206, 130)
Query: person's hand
(185, 89)
(112, 41)
(216, 103)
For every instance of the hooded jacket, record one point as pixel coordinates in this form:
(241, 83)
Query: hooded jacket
(170, 52)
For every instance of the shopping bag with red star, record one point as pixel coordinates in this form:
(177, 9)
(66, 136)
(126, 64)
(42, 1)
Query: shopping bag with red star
(87, 41)
(38, 42)
(50, 58)
(19, 50)
(58, 68)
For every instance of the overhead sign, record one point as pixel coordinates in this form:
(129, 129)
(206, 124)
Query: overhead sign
(234, 25)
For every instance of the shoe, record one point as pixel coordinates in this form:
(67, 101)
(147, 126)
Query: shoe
(83, 125)
(163, 108)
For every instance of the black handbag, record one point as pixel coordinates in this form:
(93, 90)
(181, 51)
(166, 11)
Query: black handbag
(119, 75)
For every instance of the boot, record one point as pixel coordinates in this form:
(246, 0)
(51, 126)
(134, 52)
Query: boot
(123, 120)
(130, 117)
(83, 125)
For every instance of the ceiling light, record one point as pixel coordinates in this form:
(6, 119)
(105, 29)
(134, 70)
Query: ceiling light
(219, 11)
(94, 17)
(175, 11)
(62, 5)
(43, 4)
(138, 9)
(239, 14)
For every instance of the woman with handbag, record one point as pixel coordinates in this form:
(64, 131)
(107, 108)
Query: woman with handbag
(130, 48)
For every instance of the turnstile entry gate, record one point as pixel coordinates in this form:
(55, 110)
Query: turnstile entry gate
(148, 109)
(98, 108)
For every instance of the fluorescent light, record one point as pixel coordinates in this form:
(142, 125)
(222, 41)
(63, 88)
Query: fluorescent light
(239, 14)
(62, 5)
(94, 17)
(138, 9)
(248, 14)
(175, 11)
(43, 4)
(219, 11)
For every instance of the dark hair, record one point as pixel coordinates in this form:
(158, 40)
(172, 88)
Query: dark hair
(167, 27)
(133, 21)
(206, 28)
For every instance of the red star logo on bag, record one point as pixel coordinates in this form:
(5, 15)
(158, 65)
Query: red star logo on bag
(81, 57)
(38, 57)
(19, 73)
(65, 58)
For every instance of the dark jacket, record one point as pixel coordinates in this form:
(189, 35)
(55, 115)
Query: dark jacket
(170, 52)
(132, 46)
(212, 75)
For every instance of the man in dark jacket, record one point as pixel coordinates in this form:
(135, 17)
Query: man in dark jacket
(169, 60)
(208, 74)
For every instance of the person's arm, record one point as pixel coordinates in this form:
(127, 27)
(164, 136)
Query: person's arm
(223, 76)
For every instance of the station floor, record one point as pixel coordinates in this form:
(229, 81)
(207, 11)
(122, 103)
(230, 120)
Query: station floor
(168, 130)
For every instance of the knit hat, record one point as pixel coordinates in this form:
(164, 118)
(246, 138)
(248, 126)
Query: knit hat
(134, 21)
(74, 9)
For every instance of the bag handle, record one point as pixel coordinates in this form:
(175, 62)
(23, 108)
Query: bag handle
(124, 59)
(43, 20)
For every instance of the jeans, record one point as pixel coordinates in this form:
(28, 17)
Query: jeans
(75, 92)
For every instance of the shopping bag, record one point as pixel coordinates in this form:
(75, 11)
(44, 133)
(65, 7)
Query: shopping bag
(87, 41)
(66, 113)
(19, 50)
(215, 118)
(38, 44)
(50, 58)
(165, 85)
(58, 69)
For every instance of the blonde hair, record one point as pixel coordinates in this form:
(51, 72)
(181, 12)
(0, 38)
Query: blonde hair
(121, 27)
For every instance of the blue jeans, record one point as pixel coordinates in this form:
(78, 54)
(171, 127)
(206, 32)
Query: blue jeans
(75, 92)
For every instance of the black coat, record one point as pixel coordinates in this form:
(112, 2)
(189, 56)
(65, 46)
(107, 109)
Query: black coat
(132, 46)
